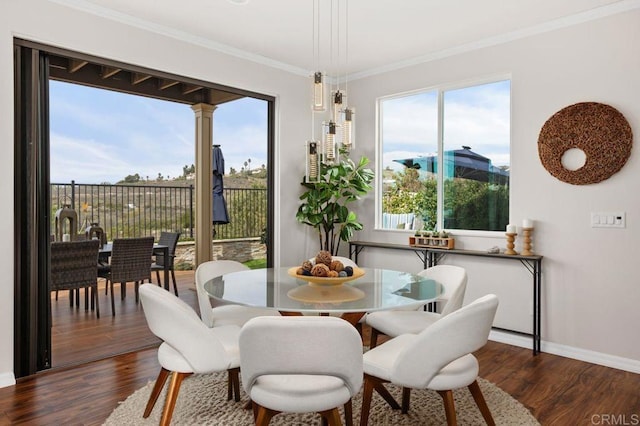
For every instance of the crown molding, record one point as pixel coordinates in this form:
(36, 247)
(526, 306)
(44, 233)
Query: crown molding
(567, 21)
(123, 18)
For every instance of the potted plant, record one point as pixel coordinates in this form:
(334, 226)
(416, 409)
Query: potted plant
(444, 235)
(325, 202)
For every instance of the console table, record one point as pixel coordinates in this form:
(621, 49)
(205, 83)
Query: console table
(431, 256)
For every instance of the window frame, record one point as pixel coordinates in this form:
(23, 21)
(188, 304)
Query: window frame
(440, 89)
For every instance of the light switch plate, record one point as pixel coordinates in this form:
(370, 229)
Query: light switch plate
(608, 220)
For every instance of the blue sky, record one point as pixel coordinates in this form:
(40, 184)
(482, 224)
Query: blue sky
(102, 136)
(477, 116)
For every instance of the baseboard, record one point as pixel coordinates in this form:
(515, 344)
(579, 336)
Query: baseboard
(593, 357)
(7, 379)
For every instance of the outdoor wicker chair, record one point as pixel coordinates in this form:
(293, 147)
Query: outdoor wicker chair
(130, 262)
(169, 239)
(73, 266)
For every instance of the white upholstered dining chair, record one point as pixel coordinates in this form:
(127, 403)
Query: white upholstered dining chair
(300, 365)
(396, 322)
(188, 346)
(439, 358)
(223, 313)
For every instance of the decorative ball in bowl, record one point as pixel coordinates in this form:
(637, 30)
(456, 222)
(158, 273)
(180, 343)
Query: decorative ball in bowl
(357, 273)
(324, 269)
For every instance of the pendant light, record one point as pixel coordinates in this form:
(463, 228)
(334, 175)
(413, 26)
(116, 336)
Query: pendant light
(338, 128)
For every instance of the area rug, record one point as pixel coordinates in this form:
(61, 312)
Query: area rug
(203, 401)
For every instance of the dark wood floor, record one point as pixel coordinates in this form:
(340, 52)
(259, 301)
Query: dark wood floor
(557, 390)
(78, 336)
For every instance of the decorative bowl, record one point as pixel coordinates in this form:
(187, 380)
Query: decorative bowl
(357, 273)
(322, 294)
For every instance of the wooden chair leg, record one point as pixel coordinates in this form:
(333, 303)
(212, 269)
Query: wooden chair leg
(255, 409)
(332, 417)
(86, 299)
(367, 394)
(233, 384)
(172, 397)
(374, 338)
(137, 291)
(123, 290)
(155, 392)
(158, 278)
(481, 403)
(348, 413)
(449, 407)
(406, 398)
(378, 385)
(264, 415)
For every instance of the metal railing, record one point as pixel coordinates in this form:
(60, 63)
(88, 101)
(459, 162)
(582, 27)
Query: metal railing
(124, 211)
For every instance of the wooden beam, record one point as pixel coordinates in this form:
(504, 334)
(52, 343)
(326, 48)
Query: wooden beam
(76, 64)
(217, 97)
(109, 71)
(137, 78)
(165, 84)
(189, 88)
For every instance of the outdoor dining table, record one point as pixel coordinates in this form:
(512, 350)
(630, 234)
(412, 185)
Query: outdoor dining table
(275, 288)
(158, 249)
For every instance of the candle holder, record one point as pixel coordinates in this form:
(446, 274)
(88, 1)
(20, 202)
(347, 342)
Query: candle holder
(526, 246)
(510, 239)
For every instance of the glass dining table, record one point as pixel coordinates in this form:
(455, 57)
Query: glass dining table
(275, 288)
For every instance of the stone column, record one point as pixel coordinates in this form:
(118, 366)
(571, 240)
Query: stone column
(203, 215)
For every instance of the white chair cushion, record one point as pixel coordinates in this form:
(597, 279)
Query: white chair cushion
(395, 323)
(457, 374)
(300, 364)
(299, 393)
(238, 314)
(170, 359)
(379, 361)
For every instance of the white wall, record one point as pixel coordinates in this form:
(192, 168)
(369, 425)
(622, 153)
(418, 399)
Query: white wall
(52, 24)
(591, 291)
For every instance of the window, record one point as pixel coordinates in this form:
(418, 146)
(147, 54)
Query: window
(445, 158)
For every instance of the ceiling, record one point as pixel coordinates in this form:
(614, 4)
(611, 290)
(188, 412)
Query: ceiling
(382, 34)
